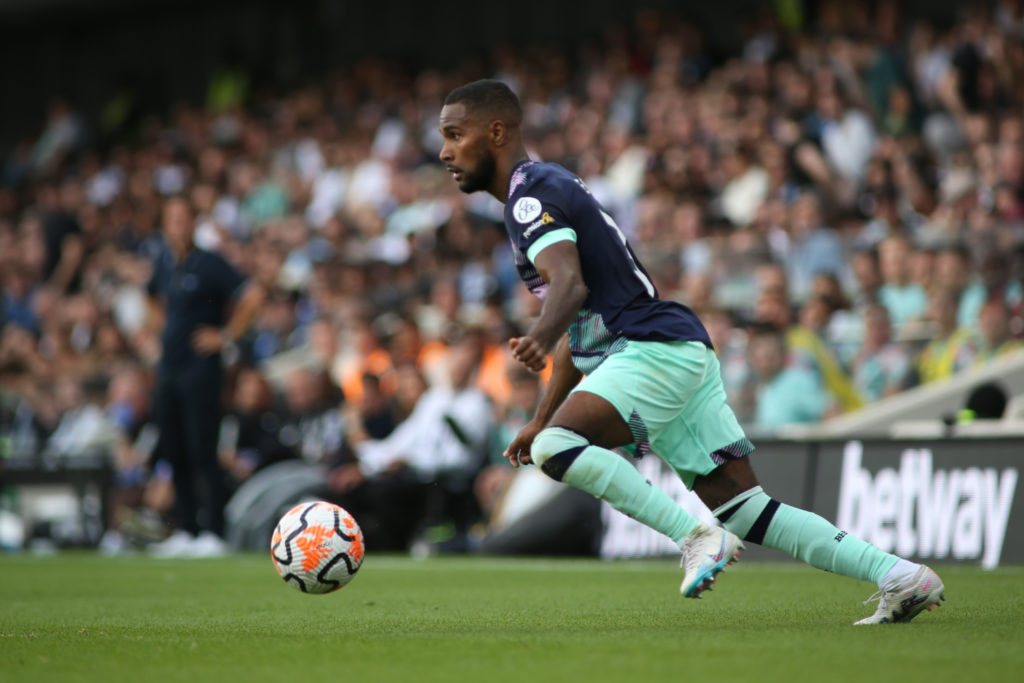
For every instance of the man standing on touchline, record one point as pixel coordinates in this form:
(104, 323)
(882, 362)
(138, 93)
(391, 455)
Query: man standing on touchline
(204, 304)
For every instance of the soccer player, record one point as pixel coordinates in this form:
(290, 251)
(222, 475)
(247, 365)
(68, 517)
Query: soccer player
(634, 369)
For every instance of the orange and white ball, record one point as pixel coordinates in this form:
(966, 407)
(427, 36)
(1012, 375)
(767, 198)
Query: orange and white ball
(317, 547)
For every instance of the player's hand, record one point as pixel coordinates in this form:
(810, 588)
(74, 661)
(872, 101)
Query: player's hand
(207, 339)
(518, 452)
(529, 352)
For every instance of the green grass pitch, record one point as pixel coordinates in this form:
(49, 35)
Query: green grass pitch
(80, 617)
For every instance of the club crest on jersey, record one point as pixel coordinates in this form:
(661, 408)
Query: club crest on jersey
(526, 209)
(544, 219)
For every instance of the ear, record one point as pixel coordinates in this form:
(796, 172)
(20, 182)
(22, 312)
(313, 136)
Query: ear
(497, 133)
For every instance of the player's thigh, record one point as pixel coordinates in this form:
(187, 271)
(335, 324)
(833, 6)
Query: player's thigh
(633, 392)
(594, 417)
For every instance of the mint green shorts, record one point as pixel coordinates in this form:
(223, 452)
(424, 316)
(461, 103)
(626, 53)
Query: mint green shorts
(671, 396)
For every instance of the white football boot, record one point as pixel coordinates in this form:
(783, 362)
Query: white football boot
(924, 591)
(207, 544)
(706, 552)
(178, 544)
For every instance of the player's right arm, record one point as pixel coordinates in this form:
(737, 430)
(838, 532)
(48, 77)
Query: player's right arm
(564, 376)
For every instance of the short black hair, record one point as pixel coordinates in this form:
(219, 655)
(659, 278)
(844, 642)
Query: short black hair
(490, 96)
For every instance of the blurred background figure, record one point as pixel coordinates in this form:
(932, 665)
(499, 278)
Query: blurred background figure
(421, 474)
(949, 350)
(993, 340)
(193, 292)
(785, 394)
(250, 431)
(904, 299)
(312, 426)
(882, 367)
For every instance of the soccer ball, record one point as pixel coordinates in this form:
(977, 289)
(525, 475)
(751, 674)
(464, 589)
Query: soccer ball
(317, 547)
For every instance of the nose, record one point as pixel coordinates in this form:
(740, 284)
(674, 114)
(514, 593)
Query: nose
(445, 155)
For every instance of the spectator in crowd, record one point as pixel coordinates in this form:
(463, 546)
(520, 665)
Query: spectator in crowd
(882, 367)
(312, 427)
(948, 351)
(843, 328)
(953, 272)
(367, 356)
(814, 247)
(396, 484)
(808, 348)
(993, 340)
(867, 277)
(23, 397)
(730, 344)
(785, 394)
(83, 429)
(904, 299)
(18, 290)
(129, 410)
(847, 135)
(994, 280)
(250, 432)
(746, 188)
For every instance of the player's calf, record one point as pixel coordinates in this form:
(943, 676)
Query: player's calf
(757, 518)
(567, 456)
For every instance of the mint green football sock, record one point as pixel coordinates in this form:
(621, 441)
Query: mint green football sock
(755, 517)
(566, 456)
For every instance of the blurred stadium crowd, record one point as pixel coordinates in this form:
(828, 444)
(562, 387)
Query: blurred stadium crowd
(841, 202)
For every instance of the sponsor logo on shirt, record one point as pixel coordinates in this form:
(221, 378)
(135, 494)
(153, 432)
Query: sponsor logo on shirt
(526, 209)
(544, 219)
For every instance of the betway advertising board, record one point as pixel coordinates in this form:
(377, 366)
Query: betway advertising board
(951, 500)
(938, 500)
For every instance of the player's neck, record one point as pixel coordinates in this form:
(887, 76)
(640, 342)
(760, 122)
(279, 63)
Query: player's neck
(499, 188)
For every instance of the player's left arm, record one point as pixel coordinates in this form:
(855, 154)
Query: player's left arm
(559, 266)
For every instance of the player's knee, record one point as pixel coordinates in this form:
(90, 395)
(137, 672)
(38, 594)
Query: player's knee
(555, 449)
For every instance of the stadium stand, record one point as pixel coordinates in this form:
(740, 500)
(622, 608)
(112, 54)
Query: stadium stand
(825, 158)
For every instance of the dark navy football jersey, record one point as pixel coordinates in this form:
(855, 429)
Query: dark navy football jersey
(196, 292)
(548, 204)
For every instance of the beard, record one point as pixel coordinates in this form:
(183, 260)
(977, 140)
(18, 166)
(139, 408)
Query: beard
(481, 177)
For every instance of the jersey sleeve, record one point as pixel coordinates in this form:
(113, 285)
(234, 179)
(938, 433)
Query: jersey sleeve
(540, 217)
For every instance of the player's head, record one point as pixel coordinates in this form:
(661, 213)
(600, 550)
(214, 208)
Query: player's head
(479, 121)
